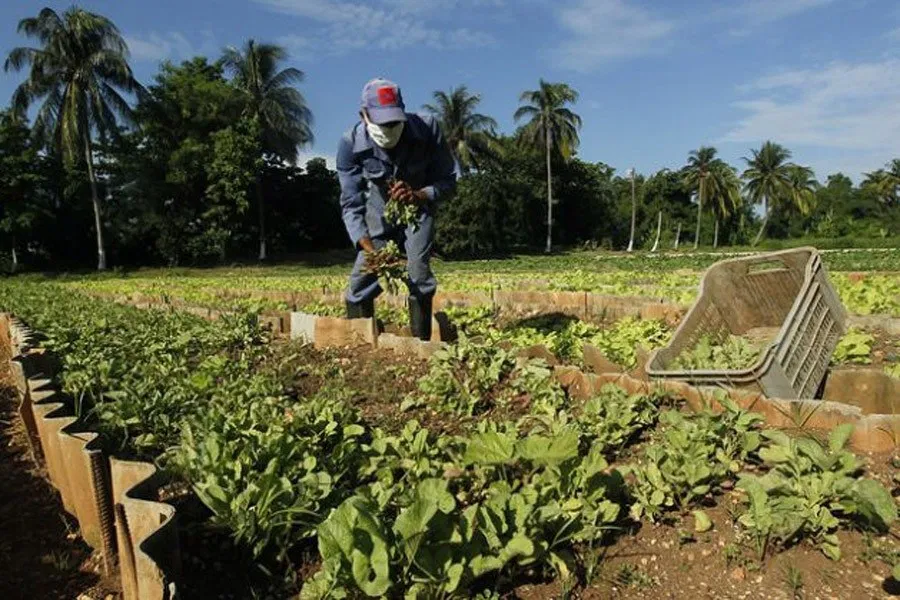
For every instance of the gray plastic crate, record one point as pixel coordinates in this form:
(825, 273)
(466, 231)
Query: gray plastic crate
(788, 291)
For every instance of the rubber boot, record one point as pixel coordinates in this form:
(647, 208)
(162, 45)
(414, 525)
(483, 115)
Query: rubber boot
(420, 317)
(361, 310)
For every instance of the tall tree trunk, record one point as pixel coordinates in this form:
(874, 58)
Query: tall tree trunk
(633, 213)
(765, 222)
(658, 232)
(699, 213)
(549, 195)
(716, 235)
(15, 258)
(261, 207)
(678, 235)
(95, 199)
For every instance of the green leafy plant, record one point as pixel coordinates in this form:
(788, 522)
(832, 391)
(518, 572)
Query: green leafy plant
(472, 377)
(793, 581)
(402, 214)
(855, 347)
(893, 370)
(810, 490)
(694, 454)
(632, 576)
(388, 265)
(507, 502)
(322, 309)
(735, 352)
(464, 376)
(566, 337)
(269, 471)
(876, 294)
(612, 418)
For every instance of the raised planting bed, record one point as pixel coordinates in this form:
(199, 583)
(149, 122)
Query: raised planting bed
(479, 473)
(112, 501)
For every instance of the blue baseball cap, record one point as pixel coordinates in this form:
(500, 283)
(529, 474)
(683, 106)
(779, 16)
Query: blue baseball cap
(383, 101)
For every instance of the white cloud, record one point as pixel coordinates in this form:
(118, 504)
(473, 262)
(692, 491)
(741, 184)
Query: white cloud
(298, 46)
(760, 12)
(596, 32)
(843, 106)
(843, 116)
(306, 155)
(155, 47)
(467, 38)
(445, 6)
(751, 14)
(601, 30)
(381, 24)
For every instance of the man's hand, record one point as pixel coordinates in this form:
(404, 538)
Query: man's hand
(400, 191)
(367, 245)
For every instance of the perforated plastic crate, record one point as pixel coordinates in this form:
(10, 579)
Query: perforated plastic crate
(788, 291)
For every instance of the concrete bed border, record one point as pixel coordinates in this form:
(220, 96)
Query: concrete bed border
(875, 433)
(585, 305)
(111, 499)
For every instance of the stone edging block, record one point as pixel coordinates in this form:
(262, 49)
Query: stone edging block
(875, 433)
(410, 346)
(115, 513)
(325, 332)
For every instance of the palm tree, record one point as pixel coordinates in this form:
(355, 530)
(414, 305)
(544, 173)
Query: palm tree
(803, 185)
(78, 70)
(552, 127)
(885, 182)
(767, 179)
(285, 120)
(470, 135)
(698, 178)
(727, 194)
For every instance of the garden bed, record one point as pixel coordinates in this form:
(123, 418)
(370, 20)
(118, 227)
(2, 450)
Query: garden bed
(42, 555)
(494, 428)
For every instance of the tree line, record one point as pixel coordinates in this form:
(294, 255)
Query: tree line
(199, 166)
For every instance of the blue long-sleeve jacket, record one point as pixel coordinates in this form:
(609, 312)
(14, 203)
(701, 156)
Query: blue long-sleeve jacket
(421, 158)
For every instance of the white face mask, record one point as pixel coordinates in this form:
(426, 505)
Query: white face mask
(386, 137)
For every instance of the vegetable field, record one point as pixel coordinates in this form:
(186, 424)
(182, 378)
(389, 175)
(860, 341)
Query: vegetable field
(350, 473)
(867, 280)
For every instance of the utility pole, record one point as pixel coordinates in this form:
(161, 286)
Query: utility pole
(633, 211)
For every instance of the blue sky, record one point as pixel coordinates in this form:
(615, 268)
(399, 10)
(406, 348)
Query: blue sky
(657, 78)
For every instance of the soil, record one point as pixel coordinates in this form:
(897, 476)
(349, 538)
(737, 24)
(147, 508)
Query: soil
(379, 381)
(40, 551)
(885, 350)
(671, 561)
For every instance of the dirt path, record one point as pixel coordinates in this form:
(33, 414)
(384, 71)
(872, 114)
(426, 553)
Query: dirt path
(40, 552)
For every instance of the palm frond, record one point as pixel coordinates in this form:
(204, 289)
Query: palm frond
(43, 27)
(19, 58)
(284, 78)
(526, 112)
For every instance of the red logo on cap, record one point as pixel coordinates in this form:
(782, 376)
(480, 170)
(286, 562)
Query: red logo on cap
(387, 95)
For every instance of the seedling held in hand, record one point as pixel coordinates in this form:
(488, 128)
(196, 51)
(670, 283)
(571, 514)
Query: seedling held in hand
(402, 208)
